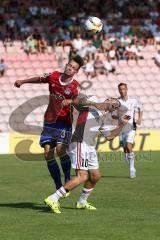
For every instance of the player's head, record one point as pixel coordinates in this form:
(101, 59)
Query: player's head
(73, 66)
(122, 87)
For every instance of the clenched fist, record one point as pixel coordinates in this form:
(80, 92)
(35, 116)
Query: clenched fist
(18, 83)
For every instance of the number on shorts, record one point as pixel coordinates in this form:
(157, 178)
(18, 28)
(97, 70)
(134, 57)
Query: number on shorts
(84, 162)
(63, 133)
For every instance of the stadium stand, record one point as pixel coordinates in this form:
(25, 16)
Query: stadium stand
(137, 68)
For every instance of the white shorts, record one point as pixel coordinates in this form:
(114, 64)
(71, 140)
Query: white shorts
(83, 156)
(127, 137)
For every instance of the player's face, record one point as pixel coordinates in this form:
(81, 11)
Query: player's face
(71, 68)
(123, 90)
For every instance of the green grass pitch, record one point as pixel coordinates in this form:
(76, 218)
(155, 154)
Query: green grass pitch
(127, 209)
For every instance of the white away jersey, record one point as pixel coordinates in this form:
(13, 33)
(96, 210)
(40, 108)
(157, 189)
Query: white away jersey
(86, 125)
(128, 107)
(132, 105)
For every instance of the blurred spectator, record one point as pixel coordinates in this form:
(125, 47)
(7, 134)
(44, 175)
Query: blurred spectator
(63, 38)
(78, 42)
(137, 50)
(42, 45)
(11, 26)
(130, 52)
(83, 52)
(96, 42)
(89, 68)
(31, 45)
(8, 40)
(90, 50)
(98, 65)
(120, 52)
(108, 66)
(106, 44)
(157, 58)
(33, 10)
(25, 31)
(22, 10)
(157, 35)
(126, 40)
(107, 27)
(3, 67)
(112, 53)
(45, 10)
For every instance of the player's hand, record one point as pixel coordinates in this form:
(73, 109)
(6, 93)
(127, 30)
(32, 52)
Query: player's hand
(18, 83)
(67, 102)
(112, 104)
(124, 119)
(138, 121)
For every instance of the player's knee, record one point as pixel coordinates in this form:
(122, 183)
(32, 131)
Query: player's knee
(128, 149)
(48, 154)
(83, 177)
(96, 177)
(61, 152)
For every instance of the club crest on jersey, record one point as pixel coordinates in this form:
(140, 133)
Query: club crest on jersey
(67, 91)
(45, 75)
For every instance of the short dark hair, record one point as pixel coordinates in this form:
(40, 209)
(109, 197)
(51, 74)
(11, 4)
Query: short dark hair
(78, 60)
(122, 84)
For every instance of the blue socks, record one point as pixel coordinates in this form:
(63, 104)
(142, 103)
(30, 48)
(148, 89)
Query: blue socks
(66, 167)
(55, 172)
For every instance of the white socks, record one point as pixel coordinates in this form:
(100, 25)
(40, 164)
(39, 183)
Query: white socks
(130, 157)
(84, 195)
(60, 193)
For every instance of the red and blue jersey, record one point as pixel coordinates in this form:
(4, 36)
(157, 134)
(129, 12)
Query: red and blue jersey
(59, 91)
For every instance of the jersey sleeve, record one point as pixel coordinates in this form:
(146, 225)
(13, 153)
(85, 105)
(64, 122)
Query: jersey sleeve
(138, 106)
(45, 78)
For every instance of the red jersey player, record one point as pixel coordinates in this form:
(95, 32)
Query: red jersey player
(57, 127)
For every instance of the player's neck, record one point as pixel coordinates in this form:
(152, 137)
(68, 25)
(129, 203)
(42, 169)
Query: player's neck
(65, 78)
(125, 98)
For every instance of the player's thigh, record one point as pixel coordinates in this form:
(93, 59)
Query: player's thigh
(92, 158)
(128, 139)
(61, 149)
(49, 151)
(77, 153)
(94, 175)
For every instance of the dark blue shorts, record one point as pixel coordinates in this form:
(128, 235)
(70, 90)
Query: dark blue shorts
(54, 133)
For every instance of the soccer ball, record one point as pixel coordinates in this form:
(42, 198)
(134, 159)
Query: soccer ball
(93, 24)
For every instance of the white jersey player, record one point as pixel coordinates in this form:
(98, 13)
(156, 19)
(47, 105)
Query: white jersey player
(129, 106)
(82, 152)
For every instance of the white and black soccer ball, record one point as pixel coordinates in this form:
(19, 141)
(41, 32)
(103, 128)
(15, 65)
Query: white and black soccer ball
(93, 24)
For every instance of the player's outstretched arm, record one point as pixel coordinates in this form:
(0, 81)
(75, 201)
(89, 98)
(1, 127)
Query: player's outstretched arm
(110, 105)
(79, 100)
(109, 135)
(19, 83)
